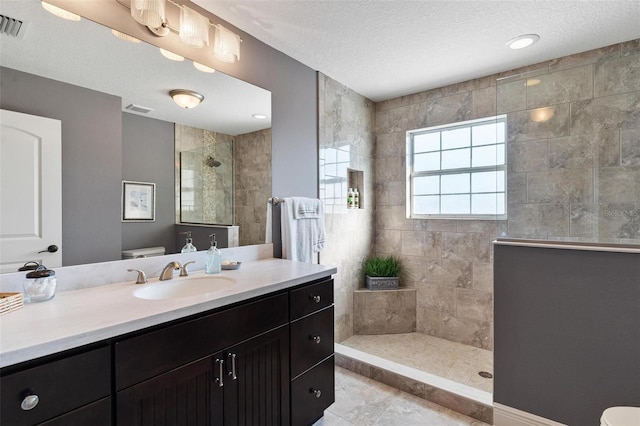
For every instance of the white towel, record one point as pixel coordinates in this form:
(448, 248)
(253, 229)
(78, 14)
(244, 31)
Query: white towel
(268, 238)
(305, 235)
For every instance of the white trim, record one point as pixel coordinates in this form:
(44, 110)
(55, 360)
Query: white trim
(569, 246)
(507, 416)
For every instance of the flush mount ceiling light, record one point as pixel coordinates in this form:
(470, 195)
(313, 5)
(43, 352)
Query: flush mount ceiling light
(186, 99)
(203, 68)
(60, 13)
(523, 41)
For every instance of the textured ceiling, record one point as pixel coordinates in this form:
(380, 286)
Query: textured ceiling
(385, 49)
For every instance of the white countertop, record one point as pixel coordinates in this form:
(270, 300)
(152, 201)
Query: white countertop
(79, 317)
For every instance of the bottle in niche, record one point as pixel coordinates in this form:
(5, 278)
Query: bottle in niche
(350, 198)
(213, 260)
(356, 198)
(188, 247)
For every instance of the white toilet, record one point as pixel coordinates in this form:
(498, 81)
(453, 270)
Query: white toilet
(621, 416)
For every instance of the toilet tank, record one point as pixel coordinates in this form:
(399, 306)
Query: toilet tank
(143, 252)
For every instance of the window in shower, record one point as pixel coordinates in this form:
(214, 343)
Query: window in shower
(458, 170)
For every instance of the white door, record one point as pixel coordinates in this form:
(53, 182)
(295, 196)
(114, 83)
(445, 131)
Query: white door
(30, 190)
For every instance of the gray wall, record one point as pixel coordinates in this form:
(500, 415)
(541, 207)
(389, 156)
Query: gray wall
(91, 159)
(148, 156)
(567, 332)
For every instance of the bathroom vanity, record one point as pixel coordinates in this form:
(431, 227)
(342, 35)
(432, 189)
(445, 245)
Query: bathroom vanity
(258, 353)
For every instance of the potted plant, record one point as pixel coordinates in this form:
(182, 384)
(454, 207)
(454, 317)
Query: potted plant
(382, 273)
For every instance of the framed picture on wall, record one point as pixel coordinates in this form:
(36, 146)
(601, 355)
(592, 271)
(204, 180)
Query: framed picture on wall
(138, 201)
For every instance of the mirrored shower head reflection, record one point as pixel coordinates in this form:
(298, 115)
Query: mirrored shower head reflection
(212, 162)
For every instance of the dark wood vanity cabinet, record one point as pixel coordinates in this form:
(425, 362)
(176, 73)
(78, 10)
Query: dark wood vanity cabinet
(71, 389)
(312, 361)
(259, 363)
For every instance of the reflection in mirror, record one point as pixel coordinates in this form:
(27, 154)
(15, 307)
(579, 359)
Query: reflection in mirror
(125, 143)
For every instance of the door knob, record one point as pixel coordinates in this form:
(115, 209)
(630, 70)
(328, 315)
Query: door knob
(51, 249)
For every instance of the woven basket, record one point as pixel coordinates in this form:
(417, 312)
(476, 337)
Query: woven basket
(10, 302)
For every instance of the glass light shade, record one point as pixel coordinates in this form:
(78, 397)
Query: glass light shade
(125, 37)
(227, 45)
(194, 28)
(148, 12)
(186, 99)
(171, 55)
(60, 13)
(203, 68)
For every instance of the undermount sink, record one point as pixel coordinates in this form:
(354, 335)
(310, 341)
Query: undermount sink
(186, 287)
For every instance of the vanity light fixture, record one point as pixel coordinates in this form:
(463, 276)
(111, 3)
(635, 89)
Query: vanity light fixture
(172, 56)
(523, 41)
(259, 116)
(186, 99)
(148, 12)
(203, 68)
(59, 12)
(193, 29)
(125, 37)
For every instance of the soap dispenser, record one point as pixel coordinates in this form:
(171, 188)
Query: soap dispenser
(188, 247)
(213, 262)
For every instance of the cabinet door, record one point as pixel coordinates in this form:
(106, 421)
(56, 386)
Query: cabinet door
(183, 396)
(256, 388)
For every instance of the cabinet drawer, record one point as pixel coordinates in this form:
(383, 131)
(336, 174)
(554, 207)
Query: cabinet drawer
(311, 298)
(308, 405)
(95, 414)
(311, 340)
(60, 386)
(147, 355)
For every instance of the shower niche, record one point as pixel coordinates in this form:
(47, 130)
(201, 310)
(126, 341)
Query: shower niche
(355, 180)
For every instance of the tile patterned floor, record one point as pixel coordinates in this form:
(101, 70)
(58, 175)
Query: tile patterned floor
(454, 361)
(362, 401)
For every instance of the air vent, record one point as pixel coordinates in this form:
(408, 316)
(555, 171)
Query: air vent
(138, 108)
(12, 27)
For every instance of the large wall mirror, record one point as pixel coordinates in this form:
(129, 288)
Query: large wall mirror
(210, 164)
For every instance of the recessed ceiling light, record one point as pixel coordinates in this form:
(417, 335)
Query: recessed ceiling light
(259, 116)
(171, 55)
(523, 41)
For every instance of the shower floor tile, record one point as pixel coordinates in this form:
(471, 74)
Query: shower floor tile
(451, 360)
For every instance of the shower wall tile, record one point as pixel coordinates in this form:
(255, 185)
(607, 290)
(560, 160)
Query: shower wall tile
(421, 243)
(630, 147)
(583, 59)
(511, 96)
(619, 184)
(607, 113)
(539, 123)
(435, 224)
(583, 220)
(585, 151)
(560, 186)
(416, 270)
(630, 47)
(474, 304)
(465, 246)
(538, 220)
(561, 87)
(438, 298)
(532, 156)
(618, 74)
(483, 276)
(384, 311)
(390, 169)
(389, 241)
(450, 272)
(516, 188)
(449, 109)
(619, 220)
(484, 102)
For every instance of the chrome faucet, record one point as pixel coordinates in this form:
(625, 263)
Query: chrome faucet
(167, 272)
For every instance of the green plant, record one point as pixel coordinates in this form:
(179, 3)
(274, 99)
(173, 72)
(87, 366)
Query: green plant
(376, 266)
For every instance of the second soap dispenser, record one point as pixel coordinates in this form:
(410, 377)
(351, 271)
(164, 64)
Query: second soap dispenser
(188, 247)
(213, 261)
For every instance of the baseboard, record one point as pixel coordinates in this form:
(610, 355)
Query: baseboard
(507, 416)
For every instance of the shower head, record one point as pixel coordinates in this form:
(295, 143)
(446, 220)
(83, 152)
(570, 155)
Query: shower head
(212, 162)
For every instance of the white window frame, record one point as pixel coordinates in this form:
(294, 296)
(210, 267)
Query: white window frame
(411, 174)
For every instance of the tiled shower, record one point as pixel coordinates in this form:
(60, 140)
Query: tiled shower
(573, 149)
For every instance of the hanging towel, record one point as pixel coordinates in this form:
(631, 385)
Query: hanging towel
(268, 238)
(303, 231)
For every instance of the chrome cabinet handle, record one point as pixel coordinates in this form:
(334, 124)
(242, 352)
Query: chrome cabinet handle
(29, 402)
(315, 298)
(220, 379)
(316, 339)
(316, 392)
(232, 373)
